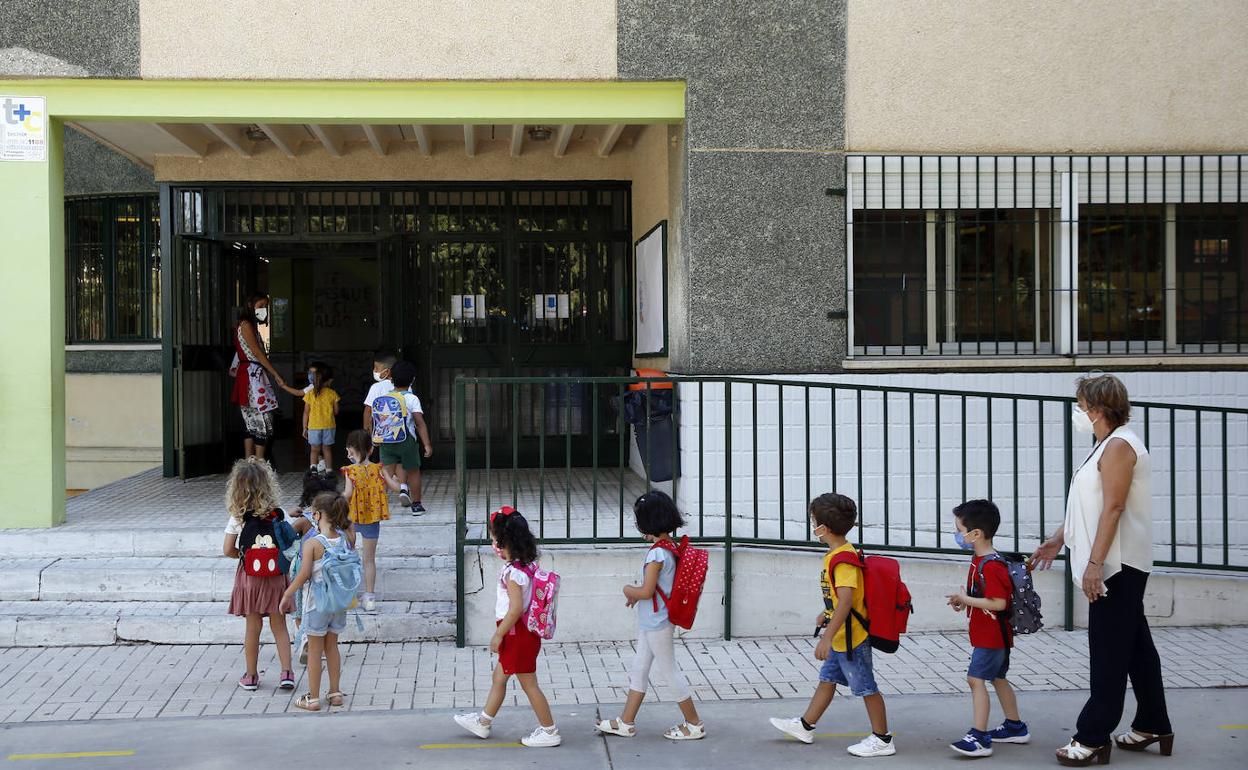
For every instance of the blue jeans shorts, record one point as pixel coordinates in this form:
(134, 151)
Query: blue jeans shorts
(368, 531)
(855, 674)
(321, 436)
(988, 663)
(317, 623)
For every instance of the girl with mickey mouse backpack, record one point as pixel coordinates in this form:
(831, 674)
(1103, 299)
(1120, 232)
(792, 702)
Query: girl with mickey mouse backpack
(657, 518)
(251, 537)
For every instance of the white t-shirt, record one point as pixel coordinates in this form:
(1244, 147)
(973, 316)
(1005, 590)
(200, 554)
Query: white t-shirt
(378, 389)
(503, 603)
(647, 618)
(234, 526)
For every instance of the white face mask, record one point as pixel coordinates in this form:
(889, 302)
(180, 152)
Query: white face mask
(377, 376)
(262, 314)
(1080, 420)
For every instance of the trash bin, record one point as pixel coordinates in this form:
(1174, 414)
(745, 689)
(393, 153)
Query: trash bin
(657, 434)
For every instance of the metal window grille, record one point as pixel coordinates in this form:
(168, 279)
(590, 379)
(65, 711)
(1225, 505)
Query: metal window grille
(1044, 255)
(112, 269)
(259, 212)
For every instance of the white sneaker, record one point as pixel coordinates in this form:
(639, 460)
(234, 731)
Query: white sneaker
(473, 724)
(369, 603)
(872, 746)
(795, 728)
(541, 738)
(405, 498)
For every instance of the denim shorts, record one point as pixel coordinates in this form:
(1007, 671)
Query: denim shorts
(321, 436)
(989, 663)
(368, 531)
(317, 623)
(855, 674)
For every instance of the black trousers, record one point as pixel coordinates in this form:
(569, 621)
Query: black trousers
(1120, 647)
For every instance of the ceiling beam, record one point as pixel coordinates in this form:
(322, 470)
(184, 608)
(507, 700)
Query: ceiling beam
(562, 137)
(422, 139)
(188, 136)
(609, 139)
(517, 140)
(470, 140)
(283, 137)
(376, 140)
(233, 136)
(330, 137)
(122, 151)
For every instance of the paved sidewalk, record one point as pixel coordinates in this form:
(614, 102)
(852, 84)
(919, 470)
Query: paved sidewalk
(120, 682)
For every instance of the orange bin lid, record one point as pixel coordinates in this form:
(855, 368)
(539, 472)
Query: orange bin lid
(653, 385)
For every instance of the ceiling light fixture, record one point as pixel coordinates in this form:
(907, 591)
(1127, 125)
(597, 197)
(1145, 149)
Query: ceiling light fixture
(540, 133)
(255, 134)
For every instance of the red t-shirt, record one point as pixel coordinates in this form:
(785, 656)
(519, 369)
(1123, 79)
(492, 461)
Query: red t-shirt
(986, 629)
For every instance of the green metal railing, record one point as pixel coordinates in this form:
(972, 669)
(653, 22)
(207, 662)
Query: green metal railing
(762, 448)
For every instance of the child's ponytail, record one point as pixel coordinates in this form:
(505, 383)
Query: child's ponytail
(334, 507)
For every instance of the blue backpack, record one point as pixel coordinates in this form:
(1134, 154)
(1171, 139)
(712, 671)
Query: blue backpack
(342, 574)
(390, 418)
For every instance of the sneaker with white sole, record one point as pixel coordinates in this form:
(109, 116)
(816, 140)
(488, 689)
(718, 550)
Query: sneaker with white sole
(795, 728)
(405, 498)
(541, 738)
(1007, 733)
(872, 746)
(973, 744)
(369, 603)
(473, 724)
(417, 508)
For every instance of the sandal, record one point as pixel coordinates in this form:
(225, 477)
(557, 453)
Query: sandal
(1075, 754)
(308, 702)
(616, 727)
(685, 732)
(1134, 740)
(335, 698)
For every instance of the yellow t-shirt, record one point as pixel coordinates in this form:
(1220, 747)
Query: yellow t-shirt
(847, 576)
(321, 416)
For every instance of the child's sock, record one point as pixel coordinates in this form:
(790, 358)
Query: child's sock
(403, 488)
(886, 737)
(486, 718)
(551, 730)
(806, 724)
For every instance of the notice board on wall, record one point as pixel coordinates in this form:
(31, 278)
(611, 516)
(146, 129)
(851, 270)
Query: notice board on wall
(650, 293)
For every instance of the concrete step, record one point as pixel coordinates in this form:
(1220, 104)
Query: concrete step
(402, 537)
(194, 579)
(63, 624)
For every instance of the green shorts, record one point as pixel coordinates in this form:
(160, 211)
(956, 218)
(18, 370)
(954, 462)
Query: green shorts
(406, 454)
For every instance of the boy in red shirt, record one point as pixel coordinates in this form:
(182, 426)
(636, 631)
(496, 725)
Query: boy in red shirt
(987, 601)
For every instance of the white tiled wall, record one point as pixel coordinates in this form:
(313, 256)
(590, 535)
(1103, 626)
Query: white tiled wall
(895, 479)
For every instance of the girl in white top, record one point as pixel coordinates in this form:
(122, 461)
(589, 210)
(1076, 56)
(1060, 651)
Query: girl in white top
(1108, 530)
(516, 646)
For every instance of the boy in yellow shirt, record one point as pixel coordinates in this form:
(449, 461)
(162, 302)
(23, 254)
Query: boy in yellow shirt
(843, 646)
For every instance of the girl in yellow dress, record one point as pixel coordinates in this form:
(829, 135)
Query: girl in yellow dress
(369, 503)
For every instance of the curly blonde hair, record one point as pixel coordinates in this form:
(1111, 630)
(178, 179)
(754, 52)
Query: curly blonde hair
(252, 487)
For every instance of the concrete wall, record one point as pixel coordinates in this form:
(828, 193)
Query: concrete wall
(759, 264)
(776, 593)
(1055, 76)
(70, 38)
(378, 39)
(112, 427)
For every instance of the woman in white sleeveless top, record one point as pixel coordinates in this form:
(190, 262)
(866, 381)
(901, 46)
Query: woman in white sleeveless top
(1109, 533)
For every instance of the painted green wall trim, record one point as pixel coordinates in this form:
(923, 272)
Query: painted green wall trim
(32, 310)
(225, 101)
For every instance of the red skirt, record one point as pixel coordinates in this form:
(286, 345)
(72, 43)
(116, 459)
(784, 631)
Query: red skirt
(256, 595)
(518, 652)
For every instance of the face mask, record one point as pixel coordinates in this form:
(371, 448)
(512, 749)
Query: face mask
(1081, 421)
(353, 458)
(377, 376)
(262, 314)
(815, 532)
(961, 541)
(498, 551)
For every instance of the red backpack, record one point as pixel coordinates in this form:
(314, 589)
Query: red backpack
(691, 566)
(887, 599)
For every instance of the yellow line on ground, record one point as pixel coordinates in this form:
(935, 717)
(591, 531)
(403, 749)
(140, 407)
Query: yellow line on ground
(73, 755)
(472, 746)
(1233, 727)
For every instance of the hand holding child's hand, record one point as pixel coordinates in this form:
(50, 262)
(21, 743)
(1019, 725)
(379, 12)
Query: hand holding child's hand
(824, 647)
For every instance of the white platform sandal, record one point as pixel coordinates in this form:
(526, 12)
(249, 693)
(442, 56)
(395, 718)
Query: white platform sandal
(1133, 740)
(685, 732)
(1075, 754)
(616, 727)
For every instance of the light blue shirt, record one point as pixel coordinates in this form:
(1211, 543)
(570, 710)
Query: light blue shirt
(647, 618)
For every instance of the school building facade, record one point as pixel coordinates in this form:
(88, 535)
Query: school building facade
(967, 196)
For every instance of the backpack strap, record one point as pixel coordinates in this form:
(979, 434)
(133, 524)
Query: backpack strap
(675, 550)
(983, 585)
(857, 559)
(401, 396)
